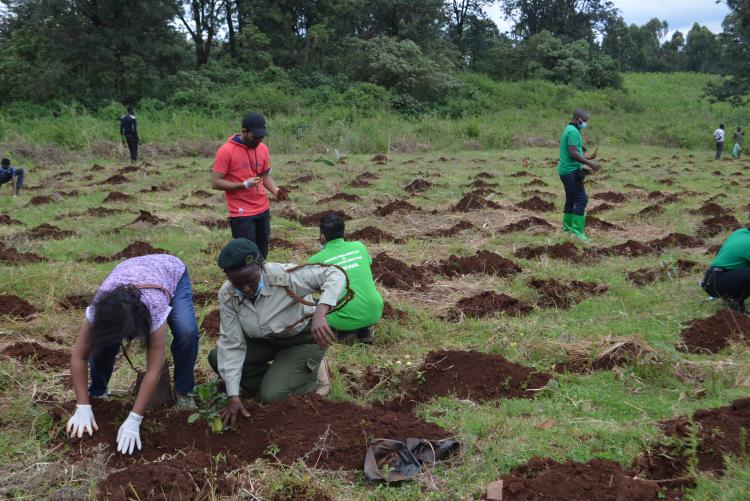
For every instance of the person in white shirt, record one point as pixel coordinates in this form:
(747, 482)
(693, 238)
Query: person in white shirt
(719, 137)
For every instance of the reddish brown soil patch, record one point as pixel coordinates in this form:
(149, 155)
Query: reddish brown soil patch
(116, 196)
(211, 323)
(522, 173)
(484, 175)
(418, 186)
(713, 334)
(718, 432)
(713, 226)
(535, 182)
(161, 188)
(314, 219)
(14, 306)
(481, 184)
(135, 249)
(537, 193)
(396, 274)
(200, 298)
(202, 194)
(532, 222)
(611, 196)
(600, 224)
(50, 232)
(367, 176)
(116, 179)
(128, 169)
(96, 167)
(291, 214)
(676, 240)
(601, 208)
(400, 206)
(325, 434)
(280, 243)
(566, 250)
(644, 276)
(537, 204)
(556, 294)
(11, 256)
(148, 218)
(630, 248)
(215, 223)
(380, 158)
(651, 210)
(43, 355)
(6, 220)
(192, 206)
(342, 196)
(374, 235)
(474, 201)
(390, 312)
(485, 262)
(102, 211)
(75, 301)
(453, 230)
(40, 200)
(599, 479)
(359, 183)
(711, 209)
(486, 304)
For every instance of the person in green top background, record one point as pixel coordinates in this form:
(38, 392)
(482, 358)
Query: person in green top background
(572, 168)
(355, 321)
(728, 275)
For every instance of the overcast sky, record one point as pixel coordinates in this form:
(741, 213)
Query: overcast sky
(680, 14)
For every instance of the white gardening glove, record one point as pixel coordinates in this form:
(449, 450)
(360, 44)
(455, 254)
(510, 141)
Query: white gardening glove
(82, 420)
(251, 181)
(129, 436)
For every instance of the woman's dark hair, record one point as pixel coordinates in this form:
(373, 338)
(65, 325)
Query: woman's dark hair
(120, 315)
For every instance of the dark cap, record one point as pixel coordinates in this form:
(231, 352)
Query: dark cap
(255, 123)
(238, 253)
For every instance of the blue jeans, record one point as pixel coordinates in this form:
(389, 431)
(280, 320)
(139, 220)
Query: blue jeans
(181, 321)
(19, 181)
(575, 194)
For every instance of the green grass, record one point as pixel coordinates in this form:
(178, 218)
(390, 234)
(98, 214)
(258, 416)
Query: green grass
(610, 414)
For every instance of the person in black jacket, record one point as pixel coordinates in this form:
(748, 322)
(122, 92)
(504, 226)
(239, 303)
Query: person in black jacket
(129, 133)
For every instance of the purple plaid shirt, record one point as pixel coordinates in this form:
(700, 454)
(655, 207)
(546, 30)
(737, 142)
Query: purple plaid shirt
(157, 269)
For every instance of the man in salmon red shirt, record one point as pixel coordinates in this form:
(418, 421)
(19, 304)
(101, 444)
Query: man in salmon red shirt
(242, 170)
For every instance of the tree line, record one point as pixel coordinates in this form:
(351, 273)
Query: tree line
(409, 53)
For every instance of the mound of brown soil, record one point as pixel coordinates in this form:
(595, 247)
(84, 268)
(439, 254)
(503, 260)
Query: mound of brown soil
(128, 169)
(148, 218)
(397, 274)
(536, 204)
(116, 196)
(314, 219)
(526, 223)
(556, 294)
(651, 210)
(75, 301)
(215, 223)
(486, 304)
(390, 312)
(473, 201)
(201, 194)
(714, 225)
(358, 183)
(102, 211)
(630, 248)
(485, 262)
(200, 298)
(380, 158)
(645, 276)
(280, 243)
(155, 189)
(40, 200)
(611, 196)
(367, 176)
(14, 306)
(135, 249)
(522, 173)
(43, 355)
(711, 209)
(676, 240)
(453, 230)
(599, 224)
(96, 167)
(374, 235)
(566, 250)
(211, 322)
(484, 175)
(50, 232)
(400, 206)
(600, 208)
(342, 196)
(192, 206)
(418, 186)
(481, 184)
(535, 182)
(11, 256)
(718, 432)
(712, 334)
(598, 479)
(116, 179)
(6, 220)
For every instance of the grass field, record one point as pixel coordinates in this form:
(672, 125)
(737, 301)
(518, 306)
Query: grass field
(608, 414)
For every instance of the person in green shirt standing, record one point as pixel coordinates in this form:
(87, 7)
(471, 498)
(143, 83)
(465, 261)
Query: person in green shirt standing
(728, 275)
(572, 168)
(354, 322)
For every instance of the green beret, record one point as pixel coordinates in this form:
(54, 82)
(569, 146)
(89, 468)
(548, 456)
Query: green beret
(238, 253)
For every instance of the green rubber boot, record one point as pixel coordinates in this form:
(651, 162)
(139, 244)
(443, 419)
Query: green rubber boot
(567, 222)
(578, 223)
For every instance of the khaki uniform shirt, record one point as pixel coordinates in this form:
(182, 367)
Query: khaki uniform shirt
(274, 313)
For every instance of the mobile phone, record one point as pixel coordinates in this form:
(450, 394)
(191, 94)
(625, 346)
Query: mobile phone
(264, 173)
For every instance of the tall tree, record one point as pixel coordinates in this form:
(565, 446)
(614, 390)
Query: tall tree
(202, 20)
(459, 12)
(736, 54)
(568, 20)
(702, 50)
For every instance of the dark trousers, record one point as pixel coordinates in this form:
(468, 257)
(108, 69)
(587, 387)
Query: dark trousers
(719, 149)
(575, 194)
(19, 181)
(255, 228)
(133, 147)
(728, 284)
(181, 321)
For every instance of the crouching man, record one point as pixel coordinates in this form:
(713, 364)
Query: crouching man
(273, 336)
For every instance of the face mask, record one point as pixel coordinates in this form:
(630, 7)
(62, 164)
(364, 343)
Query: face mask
(261, 283)
(251, 143)
(582, 124)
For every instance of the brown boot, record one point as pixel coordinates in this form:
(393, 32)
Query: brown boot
(324, 380)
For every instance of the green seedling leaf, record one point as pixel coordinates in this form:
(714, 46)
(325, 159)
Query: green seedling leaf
(216, 425)
(192, 418)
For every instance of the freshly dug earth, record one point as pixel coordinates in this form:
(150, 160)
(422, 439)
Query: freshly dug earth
(201, 194)
(418, 186)
(6, 220)
(556, 294)
(676, 240)
(11, 256)
(711, 209)
(536, 204)
(314, 219)
(374, 235)
(600, 208)
(148, 218)
(645, 276)
(449, 232)
(485, 262)
(14, 306)
(75, 301)
(600, 224)
(211, 323)
(342, 196)
(280, 243)
(713, 334)
(596, 480)
(222, 224)
(631, 248)
(44, 356)
(611, 196)
(116, 179)
(473, 201)
(398, 275)
(102, 211)
(718, 432)
(715, 225)
(40, 200)
(526, 223)
(50, 232)
(116, 196)
(399, 206)
(651, 210)
(390, 312)
(135, 249)
(489, 303)
(566, 251)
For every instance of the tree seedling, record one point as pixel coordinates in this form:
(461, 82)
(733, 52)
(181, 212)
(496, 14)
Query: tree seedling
(210, 401)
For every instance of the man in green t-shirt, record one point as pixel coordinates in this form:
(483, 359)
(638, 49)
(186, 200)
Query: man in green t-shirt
(572, 168)
(728, 275)
(354, 322)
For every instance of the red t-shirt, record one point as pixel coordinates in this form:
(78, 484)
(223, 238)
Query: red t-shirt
(238, 162)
